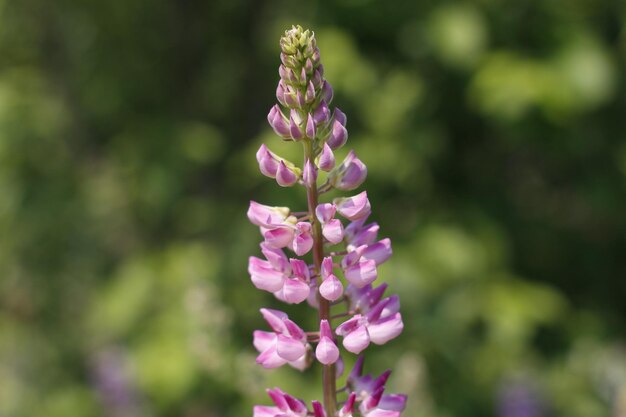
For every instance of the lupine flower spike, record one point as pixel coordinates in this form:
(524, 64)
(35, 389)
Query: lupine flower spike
(345, 251)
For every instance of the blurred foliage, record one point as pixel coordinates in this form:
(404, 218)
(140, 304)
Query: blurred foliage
(494, 134)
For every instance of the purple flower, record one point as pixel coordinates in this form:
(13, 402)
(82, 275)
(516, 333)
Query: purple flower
(338, 134)
(379, 252)
(285, 176)
(305, 116)
(285, 406)
(366, 388)
(379, 325)
(286, 344)
(350, 174)
(281, 230)
(326, 160)
(358, 270)
(358, 234)
(277, 119)
(331, 288)
(363, 299)
(296, 288)
(355, 207)
(370, 407)
(287, 279)
(326, 351)
(262, 215)
(303, 240)
(332, 229)
(309, 175)
(321, 115)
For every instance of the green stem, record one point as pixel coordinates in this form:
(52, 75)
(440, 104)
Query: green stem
(328, 371)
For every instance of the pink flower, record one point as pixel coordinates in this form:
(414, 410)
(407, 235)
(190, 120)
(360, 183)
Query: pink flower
(356, 234)
(285, 406)
(277, 119)
(287, 279)
(331, 288)
(363, 299)
(296, 288)
(332, 229)
(326, 351)
(275, 223)
(326, 160)
(365, 389)
(286, 344)
(358, 270)
(354, 208)
(379, 325)
(280, 229)
(350, 174)
(302, 240)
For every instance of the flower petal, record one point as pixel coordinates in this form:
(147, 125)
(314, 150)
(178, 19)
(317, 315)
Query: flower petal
(325, 212)
(279, 237)
(276, 319)
(263, 340)
(261, 215)
(269, 358)
(326, 351)
(361, 274)
(294, 291)
(394, 402)
(385, 329)
(302, 244)
(357, 340)
(333, 231)
(264, 276)
(379, 251)
(264, 411)
(355, 207)
(289, 349)
(331, 288)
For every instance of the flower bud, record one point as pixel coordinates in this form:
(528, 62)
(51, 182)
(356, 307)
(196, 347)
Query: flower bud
(294, 125)
(331, 288)
(338, 135)
(308, 66)
(355, 207)
(309, 96)
(303, 240)
(318, 409)
(262, 215)
(326, 160)
(348, 407)
(278, 122)
(309, 174)
(350, 174)
(327, 92)
(321, 115)
(326, 351)
(285, 176)
(268, 164)
(340, 116)
(379, 251)
(316, 78)
(310, 127)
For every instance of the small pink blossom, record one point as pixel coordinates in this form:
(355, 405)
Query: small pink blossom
(379, 325)
(286, 344)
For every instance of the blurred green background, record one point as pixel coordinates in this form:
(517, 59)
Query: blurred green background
(494, 136)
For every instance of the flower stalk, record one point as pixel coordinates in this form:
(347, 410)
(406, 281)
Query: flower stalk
(328, 371)
(303, 115)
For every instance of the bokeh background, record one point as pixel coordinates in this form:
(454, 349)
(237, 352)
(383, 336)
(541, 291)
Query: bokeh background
(494, 136)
